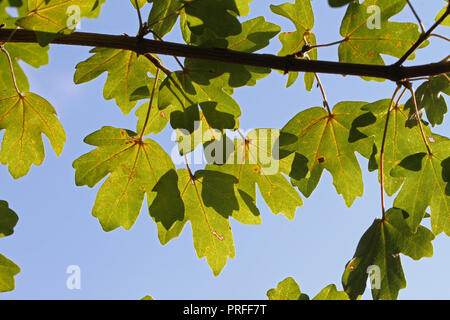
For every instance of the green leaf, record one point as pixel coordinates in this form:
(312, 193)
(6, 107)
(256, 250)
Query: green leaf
(287, 289)
(135, 167)
(8, 270)
(402, 140)
(446, 22)
(57, 16)
(300, 13)
(330, 292)
(24, 118)
(208, 200)
(166, 207)
(254, 162)
(366, 41)
(429, 96)
(127, 72)
(30, 53)
(302, 16)
(219, 17)
(256, 34)
(157, 120)
(180, 95)
(378, 251)
(164, 15)
(140, 3)
(203, 132)
(8, 219)
(293, 43)
(426, 184)
(322, 141)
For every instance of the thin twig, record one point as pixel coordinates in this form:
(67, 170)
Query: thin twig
(176, 58)
(241, 134)
(157, 63)
(423, 37)
(11, 68)
(308, 47)
(319, 83)
(417, 16)
(400, 97)
(439, 36)
(141, 24)
(409, 86)
(155, 83)
(191, 175)
(383, 143)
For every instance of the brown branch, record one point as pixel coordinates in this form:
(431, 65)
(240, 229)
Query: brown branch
(416, 15)
(383, 143)
(143, 46)
(423, 37)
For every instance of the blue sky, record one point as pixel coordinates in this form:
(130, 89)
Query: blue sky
(56, 228)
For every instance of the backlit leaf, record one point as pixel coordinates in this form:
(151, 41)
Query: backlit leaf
(302, 16)
(25, 118)
(8, 219)
(426, 184)
(287, 289)
(134, 169)
(369, 33)
(8, 270)
(378, 254)
(127, 73)
(402, 140)
(322, 141)
(429, 96)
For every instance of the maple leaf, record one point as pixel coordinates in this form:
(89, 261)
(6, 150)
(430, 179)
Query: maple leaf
(8, 269)
(378, 251)
(330, 292)
(127, 73)
(429, 97)
(323, 141)
(25, 117)
(255, 35)
(302, 16)
(208, 198)
(57, 16)
(255, 161)
(446, 22)
(164, 15)
(365, 41)
(181, 96)
(135, 167)
(8, 219)
(403, 138)
(426, 184)
(288, 289)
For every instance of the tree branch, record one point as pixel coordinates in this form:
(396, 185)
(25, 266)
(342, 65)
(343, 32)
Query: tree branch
(423, 37)
(288, 63)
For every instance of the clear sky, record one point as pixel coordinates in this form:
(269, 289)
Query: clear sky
(56, 228)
